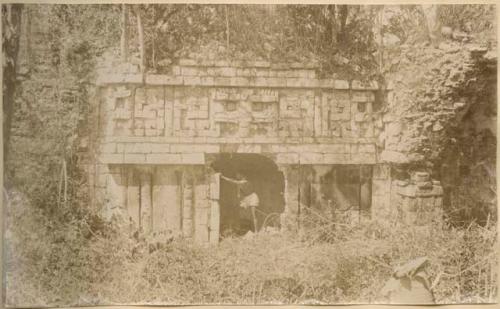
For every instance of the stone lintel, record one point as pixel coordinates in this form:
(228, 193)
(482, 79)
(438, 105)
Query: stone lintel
(233, 81)
(319, 141)
(412, 191)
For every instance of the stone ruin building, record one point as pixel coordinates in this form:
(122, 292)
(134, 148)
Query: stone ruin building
(163, 141)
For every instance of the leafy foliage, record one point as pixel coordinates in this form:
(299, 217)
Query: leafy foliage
(101, 263)
(340, 36)
(472, 18)
(52, 101)
(11, 22)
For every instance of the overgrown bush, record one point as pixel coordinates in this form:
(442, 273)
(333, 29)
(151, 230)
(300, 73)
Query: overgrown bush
(81, 260)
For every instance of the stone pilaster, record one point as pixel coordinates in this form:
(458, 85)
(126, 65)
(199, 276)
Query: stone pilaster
(421, 200)
(291, 196)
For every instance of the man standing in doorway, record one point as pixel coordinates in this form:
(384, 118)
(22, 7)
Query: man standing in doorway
(246, 194)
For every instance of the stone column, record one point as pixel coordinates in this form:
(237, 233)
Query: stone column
(421, 200)
(187, 205)
(214, 222)
(166, 208)
(381, 192)
(117, 190)
(289, 217)
(146, 211)
(133, 200)
(201, 207)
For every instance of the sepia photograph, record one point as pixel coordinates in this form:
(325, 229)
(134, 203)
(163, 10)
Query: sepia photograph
(249, 154)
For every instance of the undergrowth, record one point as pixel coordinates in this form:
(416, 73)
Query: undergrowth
(81, 260)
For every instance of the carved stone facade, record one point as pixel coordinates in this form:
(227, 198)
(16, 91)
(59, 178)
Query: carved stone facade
(159, 136)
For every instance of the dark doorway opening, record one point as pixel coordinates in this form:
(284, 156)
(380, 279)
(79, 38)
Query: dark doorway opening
(348, 187)
(264, 179)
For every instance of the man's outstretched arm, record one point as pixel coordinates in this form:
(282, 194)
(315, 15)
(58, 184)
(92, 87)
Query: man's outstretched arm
(239, 182)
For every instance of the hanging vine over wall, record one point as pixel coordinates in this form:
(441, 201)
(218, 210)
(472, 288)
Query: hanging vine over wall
(436, 114)
(53, 88)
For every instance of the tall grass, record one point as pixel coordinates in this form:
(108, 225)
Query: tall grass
(83, 260)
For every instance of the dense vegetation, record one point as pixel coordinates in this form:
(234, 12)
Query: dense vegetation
(96, 264)
(48, 76)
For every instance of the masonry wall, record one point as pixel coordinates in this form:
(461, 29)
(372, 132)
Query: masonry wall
(152, 127)
(163, 200)
(255, 108)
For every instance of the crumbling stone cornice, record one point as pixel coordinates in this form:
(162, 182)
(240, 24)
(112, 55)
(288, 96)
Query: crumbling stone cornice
(235, 81)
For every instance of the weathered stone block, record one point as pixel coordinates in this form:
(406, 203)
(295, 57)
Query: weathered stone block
(139, 132)
(308, 74)
(102, 180)
(122, 92)
(113, 78)
(334, 148)
(190, 71)
(150, 123)
(207, 81)
(287, 158)
(358, 85)
(249, 148)
(226, 71)
(110, 158)
(311, 158)
(108, 148)
(260, 64)
(193, 158)
(206, 62)
(325, 83)
(380, 187)
(341, 84)
(120, 147)
(362, 96)
(261, 73)
(420, 176)
(187, 148)
(239, 82)
(270, 82)
(222, 63)
(201, 214)
(363, 158)
(155, 79)
(191, 80)
(187, 62)
(134, 158)
(160, 148)
(277, 148)
(147, 114)
(336, 158)
(381, 171)
(167, 158)
(300, 82)
(366, 148)
(137, 148)
(222, 81)
(393, 157)
(122, 114)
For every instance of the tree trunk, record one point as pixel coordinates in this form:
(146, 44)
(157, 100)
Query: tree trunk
(432, 24)
(140, 32)
(331, 25)
(227, 27)
(343, 12)
(125, 35)
(153, 42)
(381, 41)
(11, 23)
